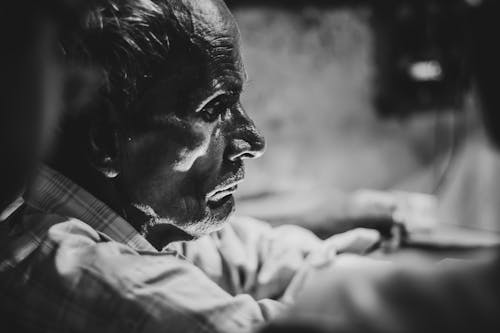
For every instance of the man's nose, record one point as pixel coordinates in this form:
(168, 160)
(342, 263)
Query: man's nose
(246, 141)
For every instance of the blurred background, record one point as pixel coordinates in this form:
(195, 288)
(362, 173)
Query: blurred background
(332, 125)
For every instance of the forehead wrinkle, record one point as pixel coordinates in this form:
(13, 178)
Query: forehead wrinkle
(210, 27)
(206, 20)
(226, 61)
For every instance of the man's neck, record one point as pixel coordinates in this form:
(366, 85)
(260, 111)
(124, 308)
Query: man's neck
(159, 233)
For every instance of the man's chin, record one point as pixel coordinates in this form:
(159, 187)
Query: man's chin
(163, 230)
(216, 216)
(222, 209)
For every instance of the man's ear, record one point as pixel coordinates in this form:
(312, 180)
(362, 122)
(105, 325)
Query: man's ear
(104, 140)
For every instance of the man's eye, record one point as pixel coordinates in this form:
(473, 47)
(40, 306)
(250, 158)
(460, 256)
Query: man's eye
(213, 110)
(210, 113)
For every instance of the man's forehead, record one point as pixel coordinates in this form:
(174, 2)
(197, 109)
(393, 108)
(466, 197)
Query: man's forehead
(207, 20)
(211, 26)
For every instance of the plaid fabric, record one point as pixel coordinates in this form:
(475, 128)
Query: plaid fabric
(68, 263)
(54, 193)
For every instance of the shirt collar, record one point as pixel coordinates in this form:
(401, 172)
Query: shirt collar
(51, 192)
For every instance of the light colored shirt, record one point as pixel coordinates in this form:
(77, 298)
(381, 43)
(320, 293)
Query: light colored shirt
(72, 264)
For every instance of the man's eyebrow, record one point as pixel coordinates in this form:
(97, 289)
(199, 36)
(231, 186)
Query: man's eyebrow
(246, 78)
(221, 92)
(229, 87)
(209, 99)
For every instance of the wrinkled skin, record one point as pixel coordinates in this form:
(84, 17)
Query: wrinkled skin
(183, 149)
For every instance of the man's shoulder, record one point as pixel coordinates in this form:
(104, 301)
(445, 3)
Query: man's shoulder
(43, 241)
(103, 284)
(43, 227)
(66, 270)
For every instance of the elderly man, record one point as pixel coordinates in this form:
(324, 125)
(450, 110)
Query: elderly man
(152, 163)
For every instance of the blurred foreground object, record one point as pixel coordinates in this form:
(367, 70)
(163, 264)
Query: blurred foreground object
(417, 297)
(358, 296)
(31, 85)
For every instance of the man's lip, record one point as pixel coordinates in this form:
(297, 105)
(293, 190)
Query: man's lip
(223, 190)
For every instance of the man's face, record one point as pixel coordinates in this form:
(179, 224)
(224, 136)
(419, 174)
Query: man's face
(185, 147)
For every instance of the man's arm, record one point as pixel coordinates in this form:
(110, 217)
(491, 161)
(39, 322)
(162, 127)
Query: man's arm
(250, 257)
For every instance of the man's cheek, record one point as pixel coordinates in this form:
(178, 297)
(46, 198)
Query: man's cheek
(170, 148)
(196, 144)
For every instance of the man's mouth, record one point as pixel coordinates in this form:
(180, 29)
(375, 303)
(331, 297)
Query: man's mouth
(226, 188)
(222, 192)
(221, 196)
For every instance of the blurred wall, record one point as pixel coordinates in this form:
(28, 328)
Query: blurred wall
(310, 89)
